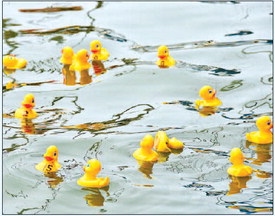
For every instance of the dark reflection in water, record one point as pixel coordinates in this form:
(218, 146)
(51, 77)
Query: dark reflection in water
(240, 33)
(9, 34)
(233, 85)
(69, 77)
(263, 152)
(98, 67)
(146, 167)
(95, 198)
(85, 77)
(54, 179)
(237, 184)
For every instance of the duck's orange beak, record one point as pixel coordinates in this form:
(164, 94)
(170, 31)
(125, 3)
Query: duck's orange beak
(94, 51)
(161, 56)
(28, 106)
(48, 158)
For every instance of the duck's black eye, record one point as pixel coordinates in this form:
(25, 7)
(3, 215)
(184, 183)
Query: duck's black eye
(97, 45)
(88, 165)
(27, 112)
(268, 123)
(54, 154)
(210, 91)
(165, 51)
(32, 100)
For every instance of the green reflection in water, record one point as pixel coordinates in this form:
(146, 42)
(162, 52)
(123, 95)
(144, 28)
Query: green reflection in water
(233, 85)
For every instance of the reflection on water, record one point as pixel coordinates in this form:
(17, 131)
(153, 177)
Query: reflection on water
(263, 152)
(237, 184)
(69, 77)
(98, 67)
(146, 167)
(95, 197)
(54, 179)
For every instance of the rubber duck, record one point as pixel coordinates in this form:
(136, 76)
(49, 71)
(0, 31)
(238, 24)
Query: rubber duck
(92, 168)
(11, 62)
(26, 111)
(238, 169)
(50, 164)
(175, 144)
(264, 135)
(80, 61)
(67, 55)
(161, 142)
(165, 60)
(146, 152)
(208, 94)
(99, 53)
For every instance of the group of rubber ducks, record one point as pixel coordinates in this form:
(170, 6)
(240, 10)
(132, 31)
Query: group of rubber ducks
(161, 143)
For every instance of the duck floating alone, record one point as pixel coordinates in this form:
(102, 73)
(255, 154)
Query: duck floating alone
(165, 60)
(264, 135)
(50, 164)
(208, 94)
(26, 111)
(11, 62)
(89, 179)
(238, 169)
(99, 53)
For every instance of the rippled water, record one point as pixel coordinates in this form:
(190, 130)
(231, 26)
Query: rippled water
(227, 45)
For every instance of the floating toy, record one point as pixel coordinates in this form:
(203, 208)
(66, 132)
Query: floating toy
(165, 60)
(264, 135)
(145, 153)
(50, 164)
(161, 142)
(67, 55)
(208, 94)
(175, 144)
(99, 53)
(26, 111)
(92, 168)
(80, 61)
(238, 169)
(11, 62)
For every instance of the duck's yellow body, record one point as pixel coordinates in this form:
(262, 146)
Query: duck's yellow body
(264, 135)
(145, 152)
(161, 142)
(238, 169)
(99, 53)
(165, 60)
(67, 56)
(89, 179)
(11, 62)
(26, 111)
(208, 94)
(175, 144)
(50, 164)
(80, 61)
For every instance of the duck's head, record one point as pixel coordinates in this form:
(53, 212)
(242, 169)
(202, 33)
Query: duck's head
(28, 101)
(207, 93)
(236, 156)
(92, 167)
(9, 60)
(264, 123)
(161, 139)
(82, 55)
(147, 142)
(95, 46)
(67, 52)
(163, 52)
(51, 154)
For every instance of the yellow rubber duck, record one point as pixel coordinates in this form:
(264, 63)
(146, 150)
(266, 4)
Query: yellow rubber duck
(11, 62)
(80, 61)
(99, 53)
(165, 60)
(238, 169)
(50, 164)
(175, 144)
(89, 179)
(146, 153)
(26, 111)
(67, 55)
(208, 94)
(161, 142)
(264, 135)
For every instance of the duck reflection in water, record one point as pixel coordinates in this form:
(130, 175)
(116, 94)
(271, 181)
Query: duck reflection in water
(98, 67)
(237, 184)
(54, 179)
(95, 198)
(164, 156)
(69, 76)
(262, 151)
(146, 167)
(27, 126)
(207, 111)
